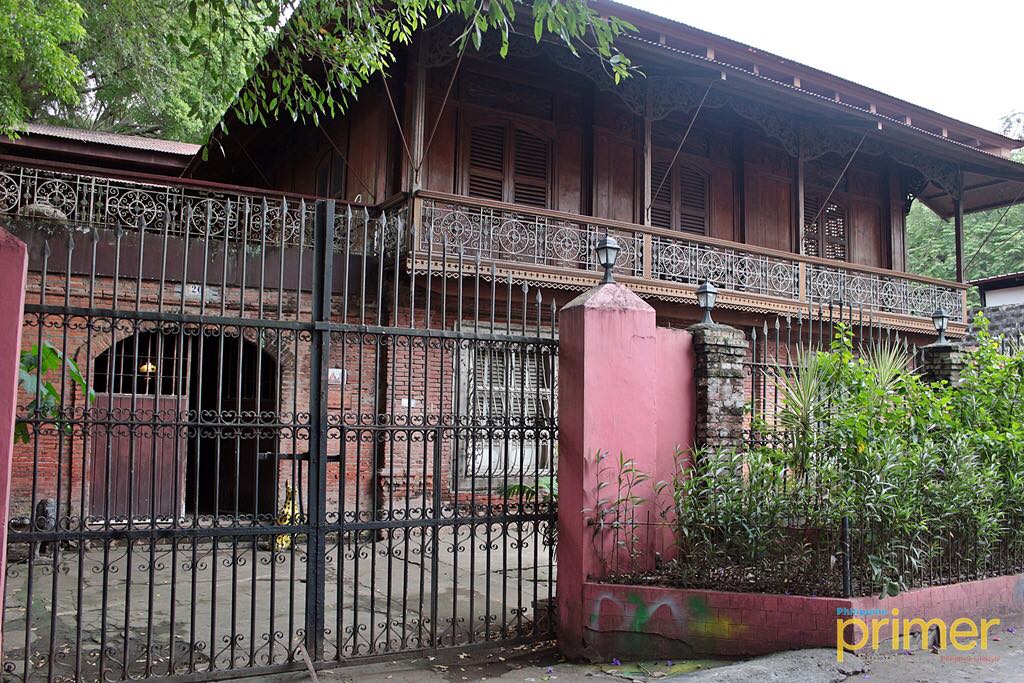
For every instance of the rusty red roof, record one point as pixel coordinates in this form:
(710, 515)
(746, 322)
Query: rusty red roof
(112, 139)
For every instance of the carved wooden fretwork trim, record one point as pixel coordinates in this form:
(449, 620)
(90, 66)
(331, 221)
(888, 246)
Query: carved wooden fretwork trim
(670, 93)
(682, 294)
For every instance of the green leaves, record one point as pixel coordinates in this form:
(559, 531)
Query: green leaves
(37, 57)
(992, 245)
(171, 67)
(45, 398)
(352, 42)
(931, 477)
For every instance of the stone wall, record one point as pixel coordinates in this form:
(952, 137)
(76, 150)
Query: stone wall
(1006, 320)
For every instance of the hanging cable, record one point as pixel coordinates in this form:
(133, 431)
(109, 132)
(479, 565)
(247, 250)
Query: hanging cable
(344, 160)
(252, 161)
(398, 121)
(992, 230)
(679, 148)
(835, 186)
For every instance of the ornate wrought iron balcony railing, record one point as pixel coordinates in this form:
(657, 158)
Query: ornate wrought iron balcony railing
(558, 248)
(536, 245)
(204, 210)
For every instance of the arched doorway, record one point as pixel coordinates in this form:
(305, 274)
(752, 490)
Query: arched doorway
(181, 423)
(234, 397)
(138, 449)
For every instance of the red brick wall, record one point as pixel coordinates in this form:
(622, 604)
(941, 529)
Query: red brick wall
(622, 621)
(401, 381)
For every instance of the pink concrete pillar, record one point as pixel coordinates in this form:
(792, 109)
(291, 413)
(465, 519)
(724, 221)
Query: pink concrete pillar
(13, 264)
(606, 403)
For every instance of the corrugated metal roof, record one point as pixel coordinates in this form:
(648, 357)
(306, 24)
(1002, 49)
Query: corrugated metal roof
(782, 63)
(813, 95)
(994, 281)
(112, 139)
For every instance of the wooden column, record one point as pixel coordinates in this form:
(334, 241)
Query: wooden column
(801, 219)
(958, 232)
(648, 160)
(417, 128)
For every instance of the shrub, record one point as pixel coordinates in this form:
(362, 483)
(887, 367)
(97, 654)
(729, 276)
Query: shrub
(929, 476)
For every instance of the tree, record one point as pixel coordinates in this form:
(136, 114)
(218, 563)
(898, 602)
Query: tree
(993, 244)
(350, 41)
(171, 67)
(140, 75)
(35, 59)
(1013, 125)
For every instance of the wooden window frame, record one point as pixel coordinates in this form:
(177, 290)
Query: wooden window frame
(475, 116)
(821, 237)
(673, 184)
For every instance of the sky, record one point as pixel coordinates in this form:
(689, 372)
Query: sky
(962, 59)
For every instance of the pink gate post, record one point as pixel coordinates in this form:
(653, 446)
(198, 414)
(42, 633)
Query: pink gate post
(13, 265)
(625, 387)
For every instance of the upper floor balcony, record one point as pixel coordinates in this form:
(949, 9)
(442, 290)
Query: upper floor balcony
(456, 234)
(557, 249)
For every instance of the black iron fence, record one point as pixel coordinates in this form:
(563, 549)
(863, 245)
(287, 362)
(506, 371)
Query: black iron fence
(776, 345)
(264, 448)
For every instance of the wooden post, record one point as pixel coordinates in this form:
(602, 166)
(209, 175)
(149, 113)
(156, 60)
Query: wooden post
(958, 231)
(648, 160)
(419, 119)
(648, 256)
(802, 281)
(801, 218)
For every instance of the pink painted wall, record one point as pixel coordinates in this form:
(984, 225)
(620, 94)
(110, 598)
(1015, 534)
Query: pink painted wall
(675, 396)
(13, 264)
(625, 387)
(675, 406)
(606, 376)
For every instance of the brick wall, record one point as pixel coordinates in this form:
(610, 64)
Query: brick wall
(405, 382)
(653, 622)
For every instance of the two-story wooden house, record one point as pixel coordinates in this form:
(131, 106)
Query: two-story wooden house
(781, 184)
(376, 386)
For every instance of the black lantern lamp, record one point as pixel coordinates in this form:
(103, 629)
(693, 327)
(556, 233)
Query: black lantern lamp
(607, 252)
(706, 294)
(941, 321)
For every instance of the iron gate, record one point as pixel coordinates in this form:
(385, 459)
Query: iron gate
(270, 440)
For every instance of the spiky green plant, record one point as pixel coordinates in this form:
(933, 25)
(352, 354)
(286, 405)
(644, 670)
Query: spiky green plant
(804, 392)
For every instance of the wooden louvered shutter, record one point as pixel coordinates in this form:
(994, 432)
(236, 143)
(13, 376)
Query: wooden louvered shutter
(531, 169)
(486, 172)
(812, 239)
(661, 204)
(693, 200)
(829, 235)
(836, 236)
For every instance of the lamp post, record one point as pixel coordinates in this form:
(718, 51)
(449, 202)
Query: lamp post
(607, 252)
(706, 294)
(941, 320)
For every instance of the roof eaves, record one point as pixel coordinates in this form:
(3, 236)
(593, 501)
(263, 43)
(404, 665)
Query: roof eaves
(1006, 278)
(822, 99)
(735, 44)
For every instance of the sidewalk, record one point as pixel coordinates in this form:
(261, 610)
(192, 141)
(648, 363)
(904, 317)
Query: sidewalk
(1003, 662)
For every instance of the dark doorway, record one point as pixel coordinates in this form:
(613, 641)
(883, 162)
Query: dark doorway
(233, 396)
